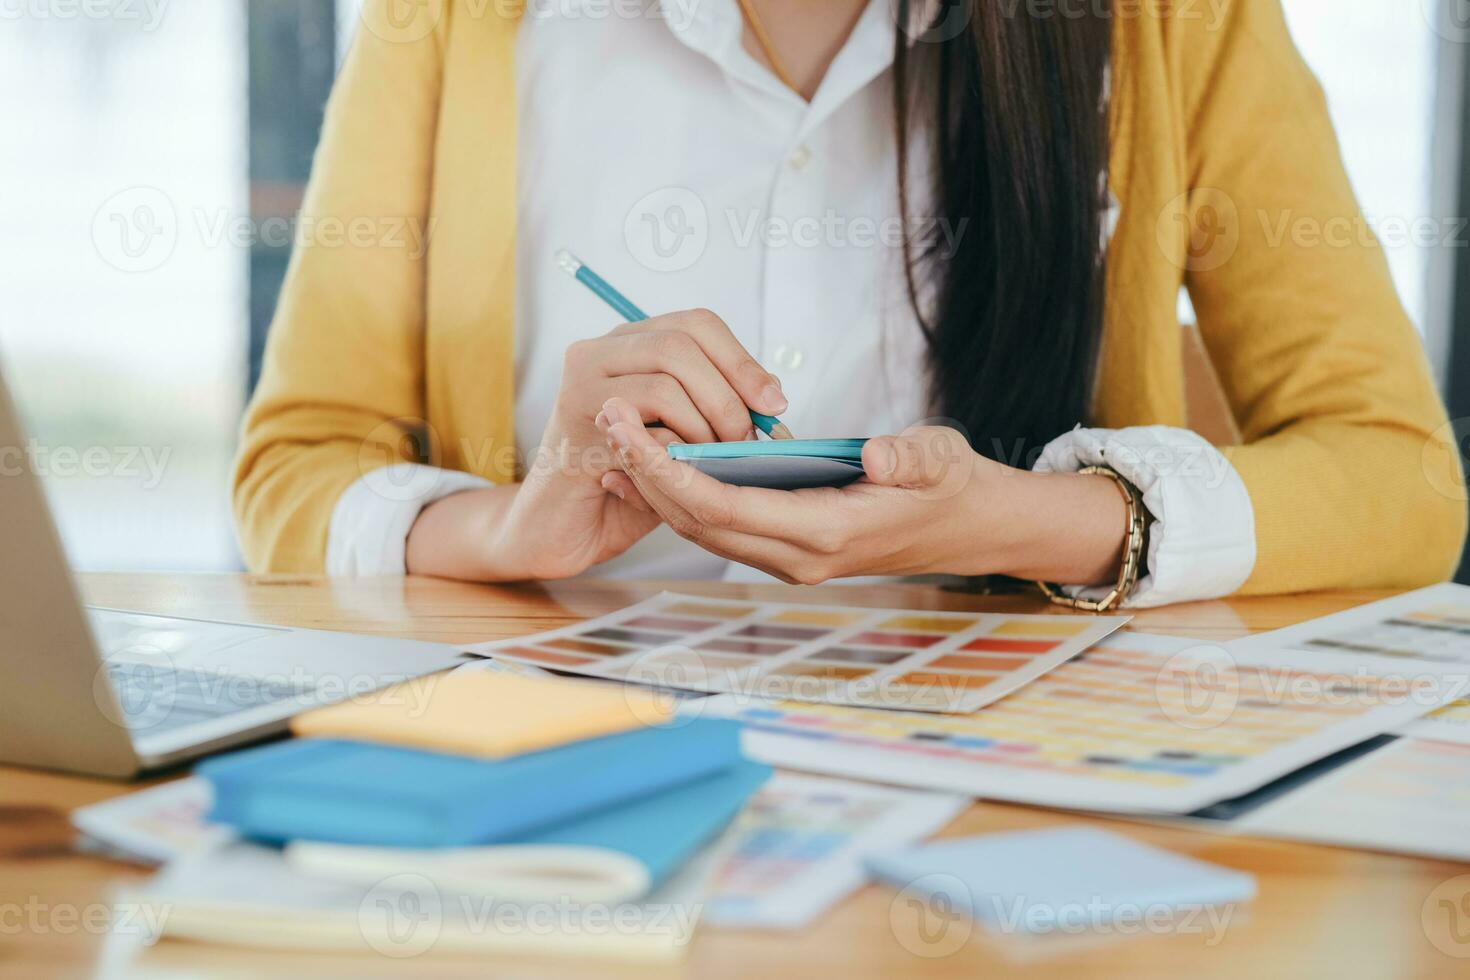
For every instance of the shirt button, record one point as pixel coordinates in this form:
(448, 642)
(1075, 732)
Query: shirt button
(788, 358)
(799, 158)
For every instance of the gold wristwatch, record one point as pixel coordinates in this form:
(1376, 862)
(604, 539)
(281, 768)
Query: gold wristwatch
(1133, 550)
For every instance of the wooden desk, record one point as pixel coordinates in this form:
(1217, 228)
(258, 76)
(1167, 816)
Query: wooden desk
(1320, 910)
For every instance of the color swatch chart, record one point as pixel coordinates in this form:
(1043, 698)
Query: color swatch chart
(1430, 625)
(1439, 633)
(1139, 723)
(798, 847)
(1449, 724)
(890, 658)
(1411, 796)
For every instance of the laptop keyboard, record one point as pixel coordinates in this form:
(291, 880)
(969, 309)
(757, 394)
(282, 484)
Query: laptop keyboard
(157, 699)
(158, 695)
(130, 636)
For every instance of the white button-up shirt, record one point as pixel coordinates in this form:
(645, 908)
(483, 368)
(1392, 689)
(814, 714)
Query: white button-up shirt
(677, 166)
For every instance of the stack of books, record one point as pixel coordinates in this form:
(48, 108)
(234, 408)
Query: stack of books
(479, 809)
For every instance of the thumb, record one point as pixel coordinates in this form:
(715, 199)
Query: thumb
(921, 456)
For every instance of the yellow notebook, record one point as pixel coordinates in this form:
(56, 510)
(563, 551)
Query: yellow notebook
(485, 713)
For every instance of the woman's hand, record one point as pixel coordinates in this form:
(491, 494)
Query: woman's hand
(929, 503)
(684, 371)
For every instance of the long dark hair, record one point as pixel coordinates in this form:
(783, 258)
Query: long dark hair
(1015, 104)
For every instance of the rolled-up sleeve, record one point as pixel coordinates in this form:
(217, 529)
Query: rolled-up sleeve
(1202, 535)
(373, 517)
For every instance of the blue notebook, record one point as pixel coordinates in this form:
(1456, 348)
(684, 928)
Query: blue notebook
(364, 793)
(663, 831)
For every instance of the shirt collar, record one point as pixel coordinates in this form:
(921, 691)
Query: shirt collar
(714, 29)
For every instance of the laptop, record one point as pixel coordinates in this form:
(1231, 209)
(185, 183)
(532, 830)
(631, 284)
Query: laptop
(109, 692)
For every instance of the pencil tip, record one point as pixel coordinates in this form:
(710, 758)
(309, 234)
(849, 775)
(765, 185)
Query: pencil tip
(779, 431)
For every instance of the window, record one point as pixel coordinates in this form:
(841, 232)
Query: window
(1376, 61)
(137, 292)
(124, 309)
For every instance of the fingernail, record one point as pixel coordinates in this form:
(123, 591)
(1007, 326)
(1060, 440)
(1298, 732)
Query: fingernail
(777, 382)
(601, 422)
(887, 459)
(772, 398)
(618, 492)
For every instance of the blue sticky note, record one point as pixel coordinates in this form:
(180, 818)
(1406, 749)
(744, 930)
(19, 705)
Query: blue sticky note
(1068, 878)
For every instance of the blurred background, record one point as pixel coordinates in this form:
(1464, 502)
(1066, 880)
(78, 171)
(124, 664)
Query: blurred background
(155, 152)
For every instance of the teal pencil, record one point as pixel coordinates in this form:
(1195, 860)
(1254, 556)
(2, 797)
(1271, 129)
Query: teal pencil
(604, 290)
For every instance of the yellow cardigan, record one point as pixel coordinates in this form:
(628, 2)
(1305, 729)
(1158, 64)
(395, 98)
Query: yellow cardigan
(1216, 125)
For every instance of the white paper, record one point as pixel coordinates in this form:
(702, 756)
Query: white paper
(1448, 724)
(1041, 880)
(1410, 797)
(245, 894)
(1430, 625)
(798, 848)
(156, 824)
(1115, 730)
(920, 674)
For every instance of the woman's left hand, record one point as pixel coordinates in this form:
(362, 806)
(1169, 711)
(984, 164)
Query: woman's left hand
(929, 503)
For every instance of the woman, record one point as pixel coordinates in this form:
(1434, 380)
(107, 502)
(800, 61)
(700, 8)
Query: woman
(1055, 174)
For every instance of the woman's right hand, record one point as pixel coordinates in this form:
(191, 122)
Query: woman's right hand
(683, 371)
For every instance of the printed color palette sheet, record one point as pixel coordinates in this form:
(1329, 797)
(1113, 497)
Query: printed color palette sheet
(798, 847)
(1410, 797)
(1140, 723)
(1449, 724)
(1430, 625)
(890, 658)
